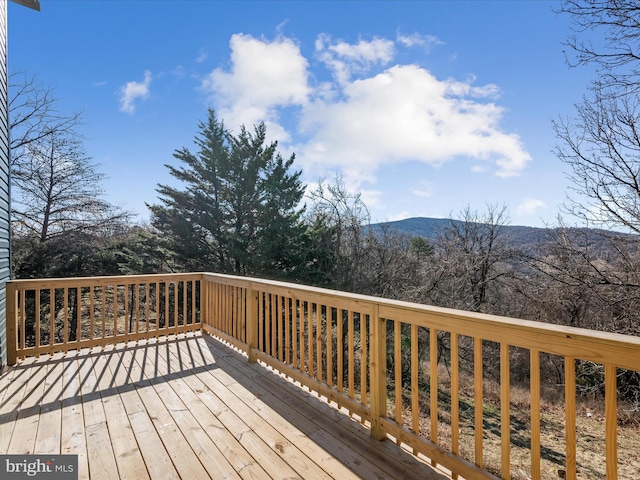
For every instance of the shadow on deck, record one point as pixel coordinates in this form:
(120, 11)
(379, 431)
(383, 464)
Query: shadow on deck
(186, 407)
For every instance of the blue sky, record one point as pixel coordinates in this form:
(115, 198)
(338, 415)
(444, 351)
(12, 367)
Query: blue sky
(425, 107)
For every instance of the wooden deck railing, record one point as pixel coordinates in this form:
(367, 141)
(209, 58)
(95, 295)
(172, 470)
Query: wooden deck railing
(371, 356)
(58, 315)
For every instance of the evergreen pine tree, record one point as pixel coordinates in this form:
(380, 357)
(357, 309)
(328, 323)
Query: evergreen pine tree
(239, 209)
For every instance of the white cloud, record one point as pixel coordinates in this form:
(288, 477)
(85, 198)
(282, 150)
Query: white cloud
(132, 91)
(418, 40)
(370, 197)
(529, 206)
(263, 75)
(345, 60)
(202, 56)
(403, 114)
(371, 115)
(424, 189)
(398, 216)
(179, 72)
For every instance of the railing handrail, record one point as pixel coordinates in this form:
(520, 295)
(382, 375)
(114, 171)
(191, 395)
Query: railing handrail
(33, 283)
(389, 308)
(594, 345)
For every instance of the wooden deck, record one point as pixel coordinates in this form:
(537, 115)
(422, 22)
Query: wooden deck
(186, 407)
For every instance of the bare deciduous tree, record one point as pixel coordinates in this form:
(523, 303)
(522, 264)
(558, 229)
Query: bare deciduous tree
(34, 114)
(602, 148)
(615, 51)
(338, 219)
(57, 190)
(471, 255)
(601, 145)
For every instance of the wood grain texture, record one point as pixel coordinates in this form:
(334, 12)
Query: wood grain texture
(186, 406)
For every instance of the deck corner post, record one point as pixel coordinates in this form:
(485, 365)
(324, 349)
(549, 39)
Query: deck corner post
(12, 323)
(378, 373)
(204, 303)
(252, 323)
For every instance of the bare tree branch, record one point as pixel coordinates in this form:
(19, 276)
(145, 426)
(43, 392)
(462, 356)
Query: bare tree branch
(616, 51)
(33, 113)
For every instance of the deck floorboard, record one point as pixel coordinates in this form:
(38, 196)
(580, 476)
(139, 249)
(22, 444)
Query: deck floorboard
(186, 407)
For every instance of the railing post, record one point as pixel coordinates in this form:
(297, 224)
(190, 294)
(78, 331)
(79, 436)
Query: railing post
(12, 324)
(204, 303)
(378, 373)
(252, 323)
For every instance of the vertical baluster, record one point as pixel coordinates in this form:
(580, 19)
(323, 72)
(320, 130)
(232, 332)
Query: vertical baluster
(127, 325)
(146, 308)
(235, 312)
(611, 421)
(103, 310)
(329, 317)
(351, 348)
(79, 316)
(136, 306)
(267, 323)
(176, 301)
(231, 311)
(455, 401)
(184, 305)
(116, 292)
(363, 359)
(233, 321)
(167, 293)
(223, 299)
(92, 315)
(534, 402)
(231, 305)
(194, 310)
(505, 412)
(478, 399)
(226, 309)
(244, 298)
(340, 348)
(287, 330)
(295, 317)
(280, 321)
(23, 318)
(303, 336)
(65, 315)
(397, 373)
(319, 352)
(261, 323)
(570, 416)
(415, 361)
(251, 321)
(311, 338)
(199, 303)
(221, 321)
(37, 319)
(216, 305)
(273, 317)
(433, 383)
(52, 320)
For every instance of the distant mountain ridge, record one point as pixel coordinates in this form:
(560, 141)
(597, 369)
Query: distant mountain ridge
(429, 228)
